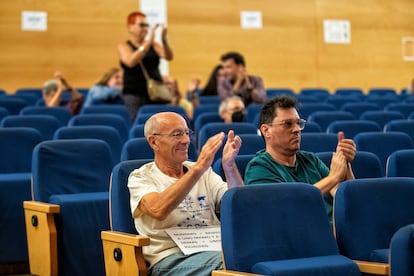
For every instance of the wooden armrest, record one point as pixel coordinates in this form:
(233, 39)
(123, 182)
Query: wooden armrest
(41, 237)
(232, 273)
(123, 253)
(373, 267)
(125, 238)
(41, 207)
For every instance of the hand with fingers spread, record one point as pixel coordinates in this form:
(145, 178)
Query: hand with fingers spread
(231, 149)
(209, 150)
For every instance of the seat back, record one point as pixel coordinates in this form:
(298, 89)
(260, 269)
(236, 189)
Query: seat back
(109, 109)
(312, 127)
(354, 92)
(318, 141)
(406, 126)
(382, 101)
(381, 117)
(400, 163)
(70, 167)
(383, 144)
(367, 213)
(113, 120)
(365, 164)
(339, 101)
(382, 91)
(45, 124)
(205, 118)
(148, 110)
(3, 112)
(136, 131)
(320, 92)
(273, 92)
(404, 108)
(213, 128)
(288, 221)
(353, 127)
(201, 109)
(138, 148)
(252, 110)
(16, 147)
(358, 108)
(241, 162)
(37, 92)
(119, 205)
(61, 113)
(12, 104)
(325, 118)
(105, 133)
(306, 109)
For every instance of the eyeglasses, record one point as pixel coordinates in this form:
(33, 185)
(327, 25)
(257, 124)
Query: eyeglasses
(143, 25)
(178, 134)
(289, 124)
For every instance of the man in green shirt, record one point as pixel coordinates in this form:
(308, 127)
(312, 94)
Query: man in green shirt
(283, 161)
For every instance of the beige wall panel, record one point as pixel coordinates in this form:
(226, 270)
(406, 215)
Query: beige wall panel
(287, 52)
(80, 41)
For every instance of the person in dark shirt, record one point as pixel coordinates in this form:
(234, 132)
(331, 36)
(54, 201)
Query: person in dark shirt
(141, 48)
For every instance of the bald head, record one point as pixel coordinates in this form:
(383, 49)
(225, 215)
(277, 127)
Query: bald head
(160, 121)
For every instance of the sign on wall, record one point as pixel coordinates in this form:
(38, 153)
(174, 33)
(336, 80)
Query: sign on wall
(34, 21)
(156, 11)
(337, 31)
(251, 20)
(408, 48)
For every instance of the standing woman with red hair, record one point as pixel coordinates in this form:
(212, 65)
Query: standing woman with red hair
(141, 47)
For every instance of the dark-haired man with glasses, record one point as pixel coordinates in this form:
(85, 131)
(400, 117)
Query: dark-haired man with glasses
(283, 161)
(174, 192)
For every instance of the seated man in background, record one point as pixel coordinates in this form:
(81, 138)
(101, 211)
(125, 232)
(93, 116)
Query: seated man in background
(238, 82)
(173, 192)
(283, 161)
(53, 91)
(232, 109)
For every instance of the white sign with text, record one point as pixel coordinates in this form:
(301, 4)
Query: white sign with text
(196, 240)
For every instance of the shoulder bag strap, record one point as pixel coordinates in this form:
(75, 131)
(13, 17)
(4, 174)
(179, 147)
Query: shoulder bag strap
(144, 71)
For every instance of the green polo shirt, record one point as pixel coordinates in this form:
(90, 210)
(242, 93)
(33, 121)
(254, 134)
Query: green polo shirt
(308, 169)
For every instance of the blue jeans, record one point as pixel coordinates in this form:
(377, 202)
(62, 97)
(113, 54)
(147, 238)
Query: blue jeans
(178, 264)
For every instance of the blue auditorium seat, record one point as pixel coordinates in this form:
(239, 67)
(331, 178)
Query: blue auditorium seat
(69, 208)
(113, 120)
(383, 144)
(61, 113)
(122, 239)
(367, 214)
(400, 163)
(353, 127)
(105, 133)
(45, 124)
(16, 147)
(325, 118)
(279, 229)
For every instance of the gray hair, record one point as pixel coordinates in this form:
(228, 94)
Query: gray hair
(225, 102)
(50, 86)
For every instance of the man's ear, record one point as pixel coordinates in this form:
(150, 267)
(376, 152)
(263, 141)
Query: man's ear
(153, 142)
(265, 130)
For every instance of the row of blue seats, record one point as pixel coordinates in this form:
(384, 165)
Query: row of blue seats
(68, 166)
(124, 145)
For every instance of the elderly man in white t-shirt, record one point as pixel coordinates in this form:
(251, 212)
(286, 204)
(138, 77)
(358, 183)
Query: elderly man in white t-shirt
(172, 192)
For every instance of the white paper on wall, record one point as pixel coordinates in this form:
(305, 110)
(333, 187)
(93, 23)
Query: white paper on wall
(337, 31)
(34, 21)
(251, 20)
